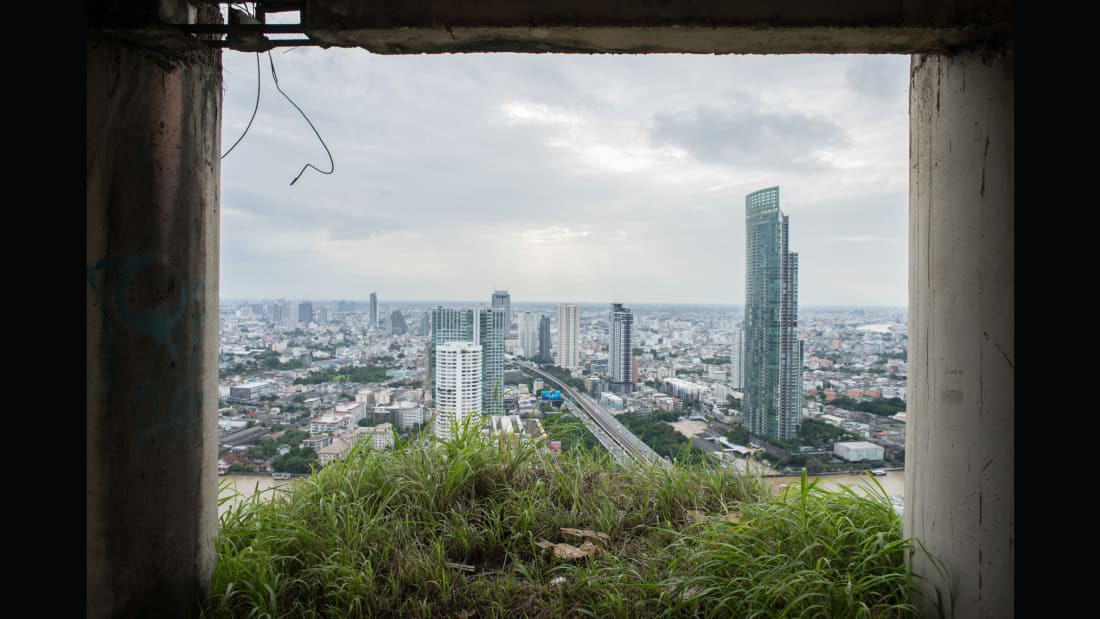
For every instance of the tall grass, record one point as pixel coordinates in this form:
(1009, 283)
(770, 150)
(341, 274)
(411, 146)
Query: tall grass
(384, 533)
(807, 553)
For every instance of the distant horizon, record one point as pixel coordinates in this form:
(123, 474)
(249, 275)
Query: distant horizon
(628, 304)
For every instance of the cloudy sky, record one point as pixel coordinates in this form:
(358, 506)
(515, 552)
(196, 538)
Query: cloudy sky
(585, 178)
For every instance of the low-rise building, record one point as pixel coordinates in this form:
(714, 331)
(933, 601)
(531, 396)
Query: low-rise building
(249, 392)
(611, 400)
(356, 410)
(382, 436)
(316, 443)
(336, 449)
(327, 424)
(855, 451)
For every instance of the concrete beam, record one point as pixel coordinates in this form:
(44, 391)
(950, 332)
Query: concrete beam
(960, 466)
(617, 26)
(153, 138)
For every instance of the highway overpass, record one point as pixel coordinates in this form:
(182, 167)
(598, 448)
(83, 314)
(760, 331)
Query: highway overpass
(611, 434)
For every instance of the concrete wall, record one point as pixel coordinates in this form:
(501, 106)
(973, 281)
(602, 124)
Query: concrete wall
(959, 445)
(700, 26)
(153, 139)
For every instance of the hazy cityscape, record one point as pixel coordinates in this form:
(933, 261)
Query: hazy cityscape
(764, 386)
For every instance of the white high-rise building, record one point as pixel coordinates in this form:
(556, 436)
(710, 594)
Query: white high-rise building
(529, 334)
(458, 387)
(482, 326)
(737, 359)
(569, 337)
(620, 349)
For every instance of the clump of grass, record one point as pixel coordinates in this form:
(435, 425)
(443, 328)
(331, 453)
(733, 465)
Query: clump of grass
(380, 534)
(809, 552)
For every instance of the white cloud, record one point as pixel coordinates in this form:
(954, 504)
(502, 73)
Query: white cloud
(458, 173)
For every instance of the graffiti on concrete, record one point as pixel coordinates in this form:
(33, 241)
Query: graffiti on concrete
(154, 406)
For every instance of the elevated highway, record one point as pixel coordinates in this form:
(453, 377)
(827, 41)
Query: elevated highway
(611, 434)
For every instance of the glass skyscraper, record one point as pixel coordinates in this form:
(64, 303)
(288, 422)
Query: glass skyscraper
(544, 339)
(772, 352)
(620, 355)
(483, 326)
(502, 299)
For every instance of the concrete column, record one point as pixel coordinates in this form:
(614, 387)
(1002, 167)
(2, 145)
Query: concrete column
(153, 140)
(959, 444)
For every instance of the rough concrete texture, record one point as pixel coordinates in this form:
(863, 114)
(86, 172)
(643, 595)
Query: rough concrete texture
(153, 139)
(700, 26)
(959, 446)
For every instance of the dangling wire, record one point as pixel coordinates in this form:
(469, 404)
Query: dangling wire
(254, 108)
(331, 163)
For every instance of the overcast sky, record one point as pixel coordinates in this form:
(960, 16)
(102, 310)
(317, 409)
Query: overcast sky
(586, 178)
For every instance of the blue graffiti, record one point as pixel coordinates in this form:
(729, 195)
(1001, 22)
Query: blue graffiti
(157, 325)
(177, 417)
(150, 398)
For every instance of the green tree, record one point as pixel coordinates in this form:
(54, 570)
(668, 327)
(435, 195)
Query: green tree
(297, 460)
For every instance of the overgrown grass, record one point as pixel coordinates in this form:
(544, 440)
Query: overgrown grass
(373, 536)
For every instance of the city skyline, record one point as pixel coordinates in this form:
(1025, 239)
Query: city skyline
(588, 305)
(544, 171)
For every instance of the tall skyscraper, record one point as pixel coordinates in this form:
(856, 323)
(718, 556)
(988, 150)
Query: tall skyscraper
(620, 356)
(543, 355)
(772, 351)
(529, 334)
(737, 359)
(569, 337)
(458, 385)
(482, 326)
(502, 299)
(305, 312)
(372, 315)
(398, 326)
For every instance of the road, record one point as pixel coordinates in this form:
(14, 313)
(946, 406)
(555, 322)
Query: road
(611, 434)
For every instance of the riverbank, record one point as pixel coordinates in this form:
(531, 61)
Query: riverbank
(243, 486)
(893, 482)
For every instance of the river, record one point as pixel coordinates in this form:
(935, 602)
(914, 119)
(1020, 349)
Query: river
(893, 482)
(247, 485)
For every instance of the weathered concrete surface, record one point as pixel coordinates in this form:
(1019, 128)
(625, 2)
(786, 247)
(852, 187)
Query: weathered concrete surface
(700, 26)
(959, 446)
(153, 139)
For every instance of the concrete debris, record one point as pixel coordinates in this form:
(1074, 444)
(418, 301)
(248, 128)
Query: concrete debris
(582, 533)
(568, 551)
